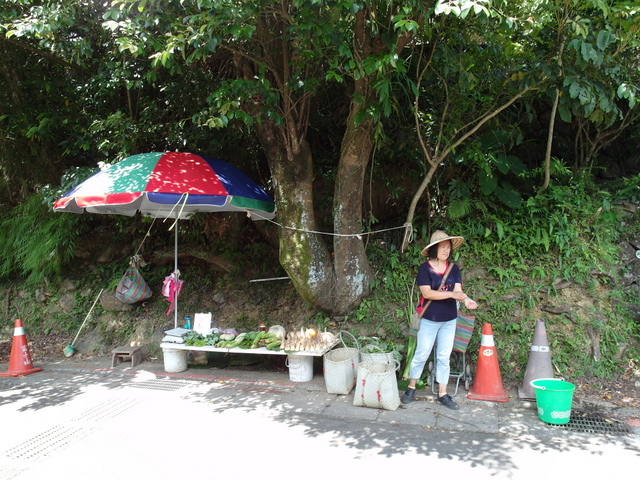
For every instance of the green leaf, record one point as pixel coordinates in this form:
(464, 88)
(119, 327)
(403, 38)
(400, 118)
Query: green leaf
(575, 89)
(623, 90)
(502, 162)
(604, 39)
(586, 50)
(487, 182)
(165, 58)
(517, 166)
(565, 112)
(508, 195)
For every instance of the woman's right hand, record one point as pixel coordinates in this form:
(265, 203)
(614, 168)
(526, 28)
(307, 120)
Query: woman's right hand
(458, 295)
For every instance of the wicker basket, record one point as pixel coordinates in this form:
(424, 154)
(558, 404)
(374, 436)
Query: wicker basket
(341, 367)
(377, 386)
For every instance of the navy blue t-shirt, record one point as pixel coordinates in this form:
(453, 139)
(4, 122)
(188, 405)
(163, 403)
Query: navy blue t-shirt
(439, 310)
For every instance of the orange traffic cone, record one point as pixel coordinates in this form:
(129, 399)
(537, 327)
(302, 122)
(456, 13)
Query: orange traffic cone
(487, 384)
(20, 360)
(539, 365)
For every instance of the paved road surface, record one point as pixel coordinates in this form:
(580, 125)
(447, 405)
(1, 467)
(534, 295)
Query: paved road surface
(93, 422)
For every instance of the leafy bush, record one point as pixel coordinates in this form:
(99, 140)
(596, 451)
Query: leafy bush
(35, 243)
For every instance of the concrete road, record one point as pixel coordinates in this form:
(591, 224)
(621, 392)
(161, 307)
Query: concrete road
(123, 423)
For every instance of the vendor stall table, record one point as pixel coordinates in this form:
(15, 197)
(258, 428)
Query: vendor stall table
(300, 363)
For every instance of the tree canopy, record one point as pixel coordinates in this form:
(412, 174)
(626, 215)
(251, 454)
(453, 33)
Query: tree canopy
(355, 115)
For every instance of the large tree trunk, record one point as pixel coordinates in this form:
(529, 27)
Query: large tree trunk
(303, 255)
(352, 270)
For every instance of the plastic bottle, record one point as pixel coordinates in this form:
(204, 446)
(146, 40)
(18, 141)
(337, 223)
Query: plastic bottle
(262, 327)
(187, 322)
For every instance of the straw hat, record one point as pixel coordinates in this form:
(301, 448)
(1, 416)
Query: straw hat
(440, 236)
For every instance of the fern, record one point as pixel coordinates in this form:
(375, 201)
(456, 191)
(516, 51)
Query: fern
(35, 242)
(459, 208)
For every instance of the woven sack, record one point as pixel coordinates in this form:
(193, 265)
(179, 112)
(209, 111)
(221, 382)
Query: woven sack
(341, 370)
(464, 330)
(132, 288)
(377, 386)
(340, 367)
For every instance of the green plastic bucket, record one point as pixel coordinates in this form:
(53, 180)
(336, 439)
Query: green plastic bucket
(553, 397)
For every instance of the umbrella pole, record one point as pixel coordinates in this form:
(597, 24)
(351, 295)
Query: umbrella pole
(175, 270)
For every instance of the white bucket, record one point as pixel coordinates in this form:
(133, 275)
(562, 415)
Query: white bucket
(175, 361)
(300, 368)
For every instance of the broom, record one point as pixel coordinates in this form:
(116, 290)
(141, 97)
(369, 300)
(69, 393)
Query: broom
(70, 349)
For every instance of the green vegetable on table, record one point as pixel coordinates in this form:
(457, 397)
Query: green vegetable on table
(191, 338)
(256, 340)
(243, 340)
(249, 336)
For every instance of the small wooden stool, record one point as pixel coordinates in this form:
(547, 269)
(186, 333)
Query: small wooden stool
(126, 353)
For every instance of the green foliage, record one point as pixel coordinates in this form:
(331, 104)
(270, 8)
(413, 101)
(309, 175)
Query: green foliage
(35, 243)
(565, 223)
(376, 345)
(495, 173)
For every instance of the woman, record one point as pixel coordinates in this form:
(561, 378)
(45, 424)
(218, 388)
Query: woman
(438, 323)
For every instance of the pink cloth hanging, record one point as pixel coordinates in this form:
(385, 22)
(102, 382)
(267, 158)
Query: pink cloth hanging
(171, 289)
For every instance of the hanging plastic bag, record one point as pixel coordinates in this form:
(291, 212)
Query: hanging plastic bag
(132, 288)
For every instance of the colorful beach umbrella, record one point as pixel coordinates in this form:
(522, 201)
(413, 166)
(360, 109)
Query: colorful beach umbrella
(171, 184)
(168, 185)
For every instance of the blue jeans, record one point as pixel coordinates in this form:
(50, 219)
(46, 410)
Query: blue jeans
(444, 333)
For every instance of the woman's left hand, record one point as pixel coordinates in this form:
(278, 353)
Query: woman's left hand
(470, 304)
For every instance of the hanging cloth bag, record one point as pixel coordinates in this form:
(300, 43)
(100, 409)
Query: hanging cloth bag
(132, 288)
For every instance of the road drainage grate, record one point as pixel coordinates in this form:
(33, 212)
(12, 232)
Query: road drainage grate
(595, 423)
(160, 384)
